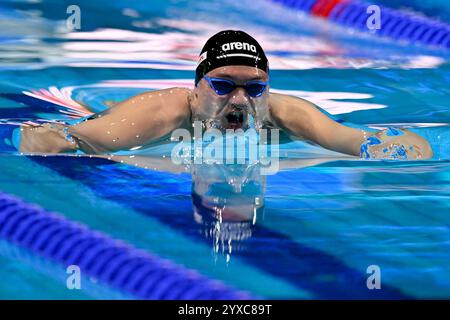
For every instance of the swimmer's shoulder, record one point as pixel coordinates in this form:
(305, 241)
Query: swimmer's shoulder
(177, 95)
(170, 105)
(291, 114)
(174, 100)
(279, 100)
(282, 107)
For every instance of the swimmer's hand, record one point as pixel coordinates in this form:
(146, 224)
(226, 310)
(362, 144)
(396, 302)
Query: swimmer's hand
(46, 138)
(395, 144)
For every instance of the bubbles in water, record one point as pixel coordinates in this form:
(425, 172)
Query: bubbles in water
(399, 152)
(213, 124)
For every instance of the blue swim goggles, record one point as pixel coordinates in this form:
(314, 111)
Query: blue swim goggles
(224, 86)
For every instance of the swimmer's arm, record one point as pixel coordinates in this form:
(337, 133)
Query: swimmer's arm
(302, 119)
(137, 121)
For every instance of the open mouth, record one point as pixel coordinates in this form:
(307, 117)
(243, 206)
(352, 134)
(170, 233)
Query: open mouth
(235, 119)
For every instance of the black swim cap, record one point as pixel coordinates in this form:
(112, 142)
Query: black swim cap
(227, 48)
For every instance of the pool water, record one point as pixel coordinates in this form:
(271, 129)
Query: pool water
(310, 231)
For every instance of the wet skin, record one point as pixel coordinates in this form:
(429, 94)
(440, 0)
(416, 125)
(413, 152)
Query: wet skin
(150, 117)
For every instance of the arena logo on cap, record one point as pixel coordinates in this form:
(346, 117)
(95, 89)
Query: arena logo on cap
(238, 46)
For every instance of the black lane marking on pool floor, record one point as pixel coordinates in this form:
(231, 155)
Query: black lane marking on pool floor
(146, 191)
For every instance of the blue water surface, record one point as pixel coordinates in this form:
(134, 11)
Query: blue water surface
(311, 230)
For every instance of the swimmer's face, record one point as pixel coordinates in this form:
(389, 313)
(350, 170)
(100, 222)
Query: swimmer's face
(230, 111)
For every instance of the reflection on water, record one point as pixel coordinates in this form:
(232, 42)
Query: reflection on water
(227, 202)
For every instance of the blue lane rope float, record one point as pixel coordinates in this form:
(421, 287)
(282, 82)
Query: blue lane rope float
(395, 24)
(120, 265)
(47, 268)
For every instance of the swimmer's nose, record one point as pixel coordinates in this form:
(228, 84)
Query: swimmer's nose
(239, 97)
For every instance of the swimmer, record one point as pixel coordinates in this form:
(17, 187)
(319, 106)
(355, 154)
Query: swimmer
(231, 92)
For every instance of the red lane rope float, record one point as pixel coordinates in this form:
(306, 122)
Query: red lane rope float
(323, 8)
